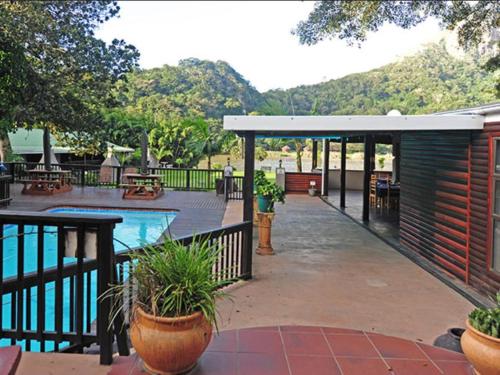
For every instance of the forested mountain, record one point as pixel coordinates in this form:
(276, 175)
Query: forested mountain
(430, 81)
(196, 88)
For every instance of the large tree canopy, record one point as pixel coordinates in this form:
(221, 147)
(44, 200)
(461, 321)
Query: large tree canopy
(54, 71)
(352, 20)
(474, 21)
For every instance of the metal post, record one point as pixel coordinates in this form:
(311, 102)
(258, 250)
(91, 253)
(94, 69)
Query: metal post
(248, 202)
(326, 167)
(314, 155)
(188, 179)
(367, 175)
(343, 162)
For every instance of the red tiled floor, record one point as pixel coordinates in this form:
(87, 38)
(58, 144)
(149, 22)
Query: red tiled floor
(305, 343)
(224, 342)
(262, 364)
(362, 366)
(394, 347)
(259, 342)
(341, 331)
(412, 367)
(454, 368)
(441, 354)
(352, 346)
(297, 350)
(300, 329)
(216, 363)
(310, 365)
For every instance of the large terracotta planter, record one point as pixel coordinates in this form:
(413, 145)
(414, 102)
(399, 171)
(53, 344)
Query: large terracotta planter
(265, 220)
(169, 345)
(481, 350)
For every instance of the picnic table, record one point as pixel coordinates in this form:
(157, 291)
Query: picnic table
(142, 186)
(43, 182)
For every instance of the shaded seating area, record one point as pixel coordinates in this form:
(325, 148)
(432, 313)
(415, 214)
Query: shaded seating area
(384, 193)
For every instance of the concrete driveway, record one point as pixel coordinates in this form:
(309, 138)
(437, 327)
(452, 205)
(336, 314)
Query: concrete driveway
(330, 271)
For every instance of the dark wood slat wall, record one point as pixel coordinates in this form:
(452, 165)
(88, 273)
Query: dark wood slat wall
(481, 278)
(434, 209)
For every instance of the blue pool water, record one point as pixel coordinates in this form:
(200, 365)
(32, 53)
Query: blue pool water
(138, 228)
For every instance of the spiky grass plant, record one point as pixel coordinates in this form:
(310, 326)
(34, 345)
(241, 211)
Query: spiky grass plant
(174, 280)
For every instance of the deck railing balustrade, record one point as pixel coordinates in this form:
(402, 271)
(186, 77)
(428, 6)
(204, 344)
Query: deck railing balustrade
(189, 179)
(56, 265)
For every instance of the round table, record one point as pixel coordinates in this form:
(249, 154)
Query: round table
(307, 350)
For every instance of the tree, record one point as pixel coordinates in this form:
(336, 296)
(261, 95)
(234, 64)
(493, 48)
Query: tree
(474, 21)
(171, 141)
(63, 74)
(260, 153)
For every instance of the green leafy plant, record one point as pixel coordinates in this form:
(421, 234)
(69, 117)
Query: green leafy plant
(272, 192)
(487, 321)
(381, 162)
(174, 280)
(259, 179)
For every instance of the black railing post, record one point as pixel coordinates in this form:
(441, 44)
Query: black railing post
(82, 176)
(104, 280)
(226, 190)
(188, 179)
(118, 176)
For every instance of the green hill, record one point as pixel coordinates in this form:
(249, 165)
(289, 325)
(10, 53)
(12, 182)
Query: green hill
(430, 81)
(192, 88)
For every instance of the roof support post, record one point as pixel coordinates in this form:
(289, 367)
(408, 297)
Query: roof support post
(396, 152)
(314, 155)
(343, 162)
(366, 180)
(326, 167)
(248, 201)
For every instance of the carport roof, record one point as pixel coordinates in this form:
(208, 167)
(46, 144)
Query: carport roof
(340, 125)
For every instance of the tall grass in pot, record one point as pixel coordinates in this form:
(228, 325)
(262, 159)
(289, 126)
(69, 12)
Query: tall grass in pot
(174, 303)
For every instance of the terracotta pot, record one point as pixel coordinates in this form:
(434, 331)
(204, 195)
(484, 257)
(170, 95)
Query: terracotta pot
(169, 345)
(265, 224)
(481, 350)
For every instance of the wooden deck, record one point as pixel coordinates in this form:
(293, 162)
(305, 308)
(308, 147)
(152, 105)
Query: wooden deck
(197, 211)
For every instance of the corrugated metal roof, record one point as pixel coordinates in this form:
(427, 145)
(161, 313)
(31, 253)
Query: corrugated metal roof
(24, 142)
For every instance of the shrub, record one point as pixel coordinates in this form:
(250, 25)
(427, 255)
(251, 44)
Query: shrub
(487, 321)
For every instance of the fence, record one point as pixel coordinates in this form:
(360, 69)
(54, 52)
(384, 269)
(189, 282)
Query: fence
(5, 190)
(56, 265)
(109, 176)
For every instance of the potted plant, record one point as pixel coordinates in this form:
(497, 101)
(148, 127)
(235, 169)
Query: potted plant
(481, 340)
(174, 306)
(268, 193)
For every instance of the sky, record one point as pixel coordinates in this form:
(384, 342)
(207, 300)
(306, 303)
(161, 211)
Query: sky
(255, 39)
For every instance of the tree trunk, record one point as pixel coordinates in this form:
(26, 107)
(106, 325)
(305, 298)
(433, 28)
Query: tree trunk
(3, 147)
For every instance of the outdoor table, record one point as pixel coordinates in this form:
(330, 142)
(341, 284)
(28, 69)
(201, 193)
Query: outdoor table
(142, 186)
(388, 192)
(43, 182)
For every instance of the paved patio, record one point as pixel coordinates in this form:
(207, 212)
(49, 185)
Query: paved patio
(327, 271)
(198, 211)
(330, 271)
(298, 350)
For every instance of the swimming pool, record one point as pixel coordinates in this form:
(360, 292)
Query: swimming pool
(137, 229)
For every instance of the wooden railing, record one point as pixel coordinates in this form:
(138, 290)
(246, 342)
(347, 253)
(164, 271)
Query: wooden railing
(49, 301)
(5, 190)
(109, 176)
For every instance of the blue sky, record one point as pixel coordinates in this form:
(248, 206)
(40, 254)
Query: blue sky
(255, 38)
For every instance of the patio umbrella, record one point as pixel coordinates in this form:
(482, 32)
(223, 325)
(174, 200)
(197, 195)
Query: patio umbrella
(144, 153)
(46, 149)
